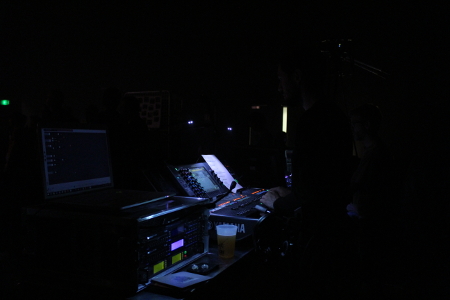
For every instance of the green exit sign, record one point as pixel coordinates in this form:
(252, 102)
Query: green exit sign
(4, 102)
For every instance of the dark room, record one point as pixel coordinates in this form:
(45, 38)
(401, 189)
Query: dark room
(230, 150)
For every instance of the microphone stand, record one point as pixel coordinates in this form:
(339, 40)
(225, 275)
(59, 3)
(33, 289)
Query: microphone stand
(340, 50)
(366, 67)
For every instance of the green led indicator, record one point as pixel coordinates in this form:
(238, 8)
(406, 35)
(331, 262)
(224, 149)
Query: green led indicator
(4, 102)
(185, 252)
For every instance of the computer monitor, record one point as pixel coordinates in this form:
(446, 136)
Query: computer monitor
(74, 160)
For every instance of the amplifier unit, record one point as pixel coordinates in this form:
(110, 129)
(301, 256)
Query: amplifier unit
(121, 252)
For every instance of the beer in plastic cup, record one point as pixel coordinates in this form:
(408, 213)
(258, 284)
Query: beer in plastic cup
(226, 240)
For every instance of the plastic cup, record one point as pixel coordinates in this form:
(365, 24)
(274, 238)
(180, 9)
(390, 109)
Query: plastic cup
(226, 240)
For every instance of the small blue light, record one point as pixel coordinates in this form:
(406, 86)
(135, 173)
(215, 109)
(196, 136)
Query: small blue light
(229, 129)
(190, 122)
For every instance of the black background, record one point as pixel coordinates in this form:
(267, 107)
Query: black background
(220, 53)
(223, 53)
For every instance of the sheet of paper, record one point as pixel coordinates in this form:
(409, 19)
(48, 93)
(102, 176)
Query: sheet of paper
(221, 171)
(181, 279)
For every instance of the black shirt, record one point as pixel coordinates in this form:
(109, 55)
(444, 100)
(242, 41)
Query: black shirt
(374, 182)
(321, 165)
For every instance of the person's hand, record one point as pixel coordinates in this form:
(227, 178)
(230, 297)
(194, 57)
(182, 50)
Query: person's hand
(281, 191)
(273, 194)
(352, 210)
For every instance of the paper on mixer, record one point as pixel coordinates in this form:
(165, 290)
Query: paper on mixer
(221, 171)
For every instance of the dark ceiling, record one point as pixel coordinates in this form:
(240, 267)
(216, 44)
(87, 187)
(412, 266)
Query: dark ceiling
(215, 50)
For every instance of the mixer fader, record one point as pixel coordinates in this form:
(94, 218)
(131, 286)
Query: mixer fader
(240, 204)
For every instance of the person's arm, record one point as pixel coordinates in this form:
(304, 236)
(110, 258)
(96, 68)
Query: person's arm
(282, 200)
(286, 205)
(273, 195)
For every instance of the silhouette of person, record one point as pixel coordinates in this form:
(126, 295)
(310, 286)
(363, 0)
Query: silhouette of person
(321, 166)
(373, 182)
(264, 159)
(321, 171)
(375, 196)
(425, 215)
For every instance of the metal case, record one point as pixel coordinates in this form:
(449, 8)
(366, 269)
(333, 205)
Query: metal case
(123, 251)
